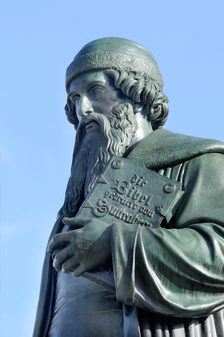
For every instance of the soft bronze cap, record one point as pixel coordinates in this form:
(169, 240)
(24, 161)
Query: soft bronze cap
(114, 53)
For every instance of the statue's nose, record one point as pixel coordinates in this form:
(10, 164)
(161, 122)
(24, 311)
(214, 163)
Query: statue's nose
(84, 107)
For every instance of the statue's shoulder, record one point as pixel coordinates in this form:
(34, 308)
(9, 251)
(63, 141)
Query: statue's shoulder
(164, 148)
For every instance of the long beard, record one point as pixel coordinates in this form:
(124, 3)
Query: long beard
(93, 149)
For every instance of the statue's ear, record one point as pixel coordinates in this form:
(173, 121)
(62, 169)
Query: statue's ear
(159, 110)
(71, 113)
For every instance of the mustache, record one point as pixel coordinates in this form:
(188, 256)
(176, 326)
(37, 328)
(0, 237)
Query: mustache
(98, 118)
(102, 122)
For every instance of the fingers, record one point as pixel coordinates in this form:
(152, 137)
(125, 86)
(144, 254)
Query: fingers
(75, 223)
(63, 255)
(54, 253)
(70, 264)
(58, 241)
(79, 270)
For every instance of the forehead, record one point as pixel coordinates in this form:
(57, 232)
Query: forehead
(81, 82)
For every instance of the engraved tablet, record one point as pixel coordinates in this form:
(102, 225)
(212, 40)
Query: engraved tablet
(126, 192)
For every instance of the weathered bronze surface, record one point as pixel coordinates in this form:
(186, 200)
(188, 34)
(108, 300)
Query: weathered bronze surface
(138, 246)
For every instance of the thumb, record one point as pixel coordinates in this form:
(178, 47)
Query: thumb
(74, 223)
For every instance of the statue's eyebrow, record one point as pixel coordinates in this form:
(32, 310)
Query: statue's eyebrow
(88, 87)
(91, 84)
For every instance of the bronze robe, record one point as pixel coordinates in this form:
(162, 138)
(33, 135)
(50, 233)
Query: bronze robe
(171, 278)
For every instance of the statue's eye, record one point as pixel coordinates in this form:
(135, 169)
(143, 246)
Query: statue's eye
(96, 91)
(75, 99)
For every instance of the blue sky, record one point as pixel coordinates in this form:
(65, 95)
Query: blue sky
(38, 41)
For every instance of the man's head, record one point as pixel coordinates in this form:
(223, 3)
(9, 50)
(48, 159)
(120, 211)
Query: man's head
(131, 69)
(110, 84)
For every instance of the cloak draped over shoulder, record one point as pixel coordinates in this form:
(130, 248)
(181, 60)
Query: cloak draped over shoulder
(173, 275)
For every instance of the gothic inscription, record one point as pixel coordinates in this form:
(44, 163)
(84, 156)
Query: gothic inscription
(130, 193)
(127, 195)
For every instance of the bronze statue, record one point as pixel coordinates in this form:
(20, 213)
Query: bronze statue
(138, 246)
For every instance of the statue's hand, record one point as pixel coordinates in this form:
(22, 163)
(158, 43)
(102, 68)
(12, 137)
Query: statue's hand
(81, 249)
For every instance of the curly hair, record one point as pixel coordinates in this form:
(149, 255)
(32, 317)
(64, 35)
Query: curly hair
(142, 90)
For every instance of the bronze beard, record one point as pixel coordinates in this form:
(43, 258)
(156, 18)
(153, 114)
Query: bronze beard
(93, 149)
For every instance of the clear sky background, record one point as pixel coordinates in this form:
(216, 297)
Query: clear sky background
(38, 41)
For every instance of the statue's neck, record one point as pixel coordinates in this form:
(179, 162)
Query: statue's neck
(144, 128)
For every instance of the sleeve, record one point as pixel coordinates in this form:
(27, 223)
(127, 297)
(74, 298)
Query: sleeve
(177, 271)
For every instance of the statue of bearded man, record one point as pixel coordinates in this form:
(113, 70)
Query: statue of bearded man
(169, 280)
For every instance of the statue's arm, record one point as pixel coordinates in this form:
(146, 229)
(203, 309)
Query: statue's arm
(177, 271)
